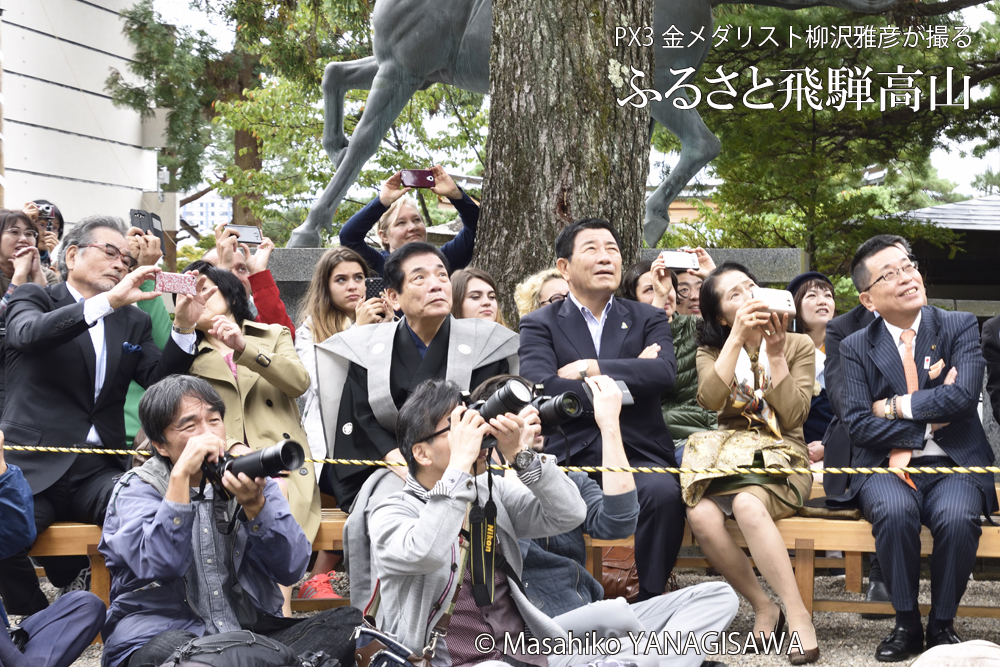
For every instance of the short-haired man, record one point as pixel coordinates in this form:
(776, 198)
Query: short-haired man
(72, 350)
(185, 564)
(416, 546)
(368, 372)
(592, 333)
(251, 268)
(912, 380)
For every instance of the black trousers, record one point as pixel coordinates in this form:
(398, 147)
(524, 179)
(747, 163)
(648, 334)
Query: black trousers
(950, 505)
(660, 529)
(81, 495)
(330, 631)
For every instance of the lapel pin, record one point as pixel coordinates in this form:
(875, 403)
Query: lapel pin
(624, 326)
(927, 363)
(933, 347)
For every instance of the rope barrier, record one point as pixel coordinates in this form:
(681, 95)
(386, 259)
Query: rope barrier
(642, 469)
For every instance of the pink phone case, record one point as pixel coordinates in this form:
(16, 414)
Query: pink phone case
(417, 178)
(175, 283)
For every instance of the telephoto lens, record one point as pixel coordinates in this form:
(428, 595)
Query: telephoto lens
(554, 411)
(511, 397)
(270, 461)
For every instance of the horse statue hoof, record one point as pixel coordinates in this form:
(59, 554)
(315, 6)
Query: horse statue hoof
(654, 228)
(304, 238)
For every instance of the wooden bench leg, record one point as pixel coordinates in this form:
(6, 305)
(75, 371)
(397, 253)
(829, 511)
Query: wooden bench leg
(595, 562)
(805, 570)
(852, 569)
(100, 580)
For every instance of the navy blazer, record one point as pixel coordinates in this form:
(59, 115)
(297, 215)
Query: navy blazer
(872, 370)
(991, 352)
(557, 334)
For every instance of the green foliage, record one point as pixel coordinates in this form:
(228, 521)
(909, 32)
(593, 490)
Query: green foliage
(987, 182)
(170, 64)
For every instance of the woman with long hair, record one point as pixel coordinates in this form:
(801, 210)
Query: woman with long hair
(474, 294)
(759, 378)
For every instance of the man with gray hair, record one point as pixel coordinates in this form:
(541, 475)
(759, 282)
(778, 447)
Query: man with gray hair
(72, 349)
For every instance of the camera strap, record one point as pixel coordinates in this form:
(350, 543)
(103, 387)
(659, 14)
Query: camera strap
(482, 529)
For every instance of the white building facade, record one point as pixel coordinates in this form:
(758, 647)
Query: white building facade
(208, 211)
(64, 140)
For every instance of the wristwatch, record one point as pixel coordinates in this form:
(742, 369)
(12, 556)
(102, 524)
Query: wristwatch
(890, 412)
(581, 367)
(523, 459)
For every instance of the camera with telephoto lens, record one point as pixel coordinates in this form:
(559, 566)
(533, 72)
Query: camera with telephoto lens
(268, 462)
(554, 411)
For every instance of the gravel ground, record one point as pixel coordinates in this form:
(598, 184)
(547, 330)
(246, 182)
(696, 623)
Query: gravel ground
(846, 640)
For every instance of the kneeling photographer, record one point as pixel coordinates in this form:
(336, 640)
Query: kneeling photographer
(194, 549)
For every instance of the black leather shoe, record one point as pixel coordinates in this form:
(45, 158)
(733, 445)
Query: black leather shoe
(877, 592)
(900, 644)
(943, 636)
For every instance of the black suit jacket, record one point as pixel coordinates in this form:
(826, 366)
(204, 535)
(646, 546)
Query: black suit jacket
(991, 352)
(556, 335)
(837, 439)
(872, 370)
(50, 377)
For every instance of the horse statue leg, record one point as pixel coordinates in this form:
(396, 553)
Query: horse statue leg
(338, 78)
(698, 145)
(391, 91)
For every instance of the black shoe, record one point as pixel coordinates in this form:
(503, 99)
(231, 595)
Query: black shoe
(877, 592)
(901, 644)
(946, 635)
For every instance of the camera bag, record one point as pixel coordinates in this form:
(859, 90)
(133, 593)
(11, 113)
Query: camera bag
(243, 649)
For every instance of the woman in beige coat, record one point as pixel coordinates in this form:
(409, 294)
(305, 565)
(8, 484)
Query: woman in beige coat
(759, 378)
(258, 374)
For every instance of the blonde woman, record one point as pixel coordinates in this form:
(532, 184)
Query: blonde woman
(541, 289)
(399, 222)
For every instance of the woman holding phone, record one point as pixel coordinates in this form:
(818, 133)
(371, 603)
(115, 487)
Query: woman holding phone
(399, 222)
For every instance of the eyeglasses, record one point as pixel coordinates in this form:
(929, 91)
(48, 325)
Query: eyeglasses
(893, 274)
(429, 439)
(113, 253)
(555, 298)
(686, 291)
(30, 234)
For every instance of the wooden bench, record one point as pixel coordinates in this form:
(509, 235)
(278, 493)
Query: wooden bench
(806, 536)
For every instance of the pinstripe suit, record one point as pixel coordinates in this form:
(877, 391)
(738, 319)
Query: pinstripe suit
(950, 505)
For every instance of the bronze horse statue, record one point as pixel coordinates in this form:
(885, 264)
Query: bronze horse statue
(418, 43)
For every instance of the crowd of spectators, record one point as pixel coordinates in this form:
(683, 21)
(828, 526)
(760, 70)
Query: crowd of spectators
(401, 354)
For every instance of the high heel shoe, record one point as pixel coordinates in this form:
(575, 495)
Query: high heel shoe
(779, 628)
(810, 656)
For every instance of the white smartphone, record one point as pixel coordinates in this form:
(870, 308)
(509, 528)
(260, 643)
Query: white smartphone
(777, 300)
(678, 260)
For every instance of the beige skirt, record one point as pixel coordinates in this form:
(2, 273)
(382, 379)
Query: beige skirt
(768, 494)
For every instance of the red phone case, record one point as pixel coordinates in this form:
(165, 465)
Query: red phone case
(417, 178)
(175, 283)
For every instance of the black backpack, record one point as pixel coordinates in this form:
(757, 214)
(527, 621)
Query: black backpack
(243, 649)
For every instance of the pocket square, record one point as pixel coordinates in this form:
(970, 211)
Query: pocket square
(129, 348)
(936, 369)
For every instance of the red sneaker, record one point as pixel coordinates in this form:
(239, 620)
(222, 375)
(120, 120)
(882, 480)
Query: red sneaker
(318, 588)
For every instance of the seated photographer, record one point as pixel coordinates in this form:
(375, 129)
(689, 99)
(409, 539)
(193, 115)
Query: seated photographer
(186, 563)
(230, 255)
(399, 222)
(56, 636)
(415, 532)
(554, 574)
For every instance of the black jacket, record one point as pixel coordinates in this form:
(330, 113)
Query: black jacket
(50, 377)
(991, 352)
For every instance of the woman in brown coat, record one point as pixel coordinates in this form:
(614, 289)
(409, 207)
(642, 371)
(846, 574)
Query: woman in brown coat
(258, 374)
(759, 378)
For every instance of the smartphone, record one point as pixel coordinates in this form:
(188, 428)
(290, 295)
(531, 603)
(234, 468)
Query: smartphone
(156, 226)
(175, 283)
(248, 234)
(626, 394)
(679, 260)
(777, 300)
(418, 178)
(374, 287)
(140, 219)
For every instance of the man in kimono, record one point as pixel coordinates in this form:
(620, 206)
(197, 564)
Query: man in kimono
(366, 373)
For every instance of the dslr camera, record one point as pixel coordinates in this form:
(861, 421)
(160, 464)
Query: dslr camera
(514, 396)
(268, 462)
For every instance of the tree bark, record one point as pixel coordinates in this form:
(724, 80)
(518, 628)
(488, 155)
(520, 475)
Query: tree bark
(560, 146)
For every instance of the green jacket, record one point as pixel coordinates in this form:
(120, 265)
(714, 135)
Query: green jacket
(680, 406)
(161, 334)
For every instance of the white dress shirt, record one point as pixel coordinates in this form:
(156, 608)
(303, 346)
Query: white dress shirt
(594, 325)
(931, 448)
(95, 309)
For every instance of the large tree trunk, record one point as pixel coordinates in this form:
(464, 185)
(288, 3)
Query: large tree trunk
(246, 145)
(560, 147)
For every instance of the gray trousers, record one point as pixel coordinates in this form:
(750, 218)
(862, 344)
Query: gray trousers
(695, 611)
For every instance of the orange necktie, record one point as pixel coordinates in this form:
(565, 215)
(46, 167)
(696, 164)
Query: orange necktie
(900, 458)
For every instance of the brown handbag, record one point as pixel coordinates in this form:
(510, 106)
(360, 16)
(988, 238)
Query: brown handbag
(620, 577)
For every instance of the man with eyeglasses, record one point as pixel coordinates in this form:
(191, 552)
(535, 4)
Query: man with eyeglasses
(912, 380)
(72, 350)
